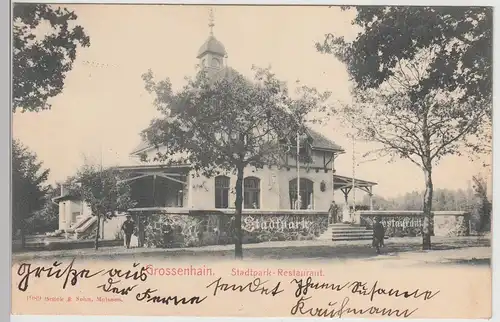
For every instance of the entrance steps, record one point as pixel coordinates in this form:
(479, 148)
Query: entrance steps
(341, 232)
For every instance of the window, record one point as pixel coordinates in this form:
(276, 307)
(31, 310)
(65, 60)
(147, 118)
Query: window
(62, 213)
(305, 152)
(221, 192)
(74, 216)
(306, 193)
(215, 62)
(251, 193)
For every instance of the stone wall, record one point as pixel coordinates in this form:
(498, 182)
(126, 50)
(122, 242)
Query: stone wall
(216, 228)
(452, 225)
(396, 226)
(407, 223)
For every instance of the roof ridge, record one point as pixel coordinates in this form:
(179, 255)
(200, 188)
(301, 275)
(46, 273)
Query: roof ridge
(321, 141)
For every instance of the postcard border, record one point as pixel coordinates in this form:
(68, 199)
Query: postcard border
(6, 122)
(5, 144)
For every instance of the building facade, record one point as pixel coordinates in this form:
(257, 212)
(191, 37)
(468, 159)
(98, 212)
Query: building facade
(271, 188)
(177, 189)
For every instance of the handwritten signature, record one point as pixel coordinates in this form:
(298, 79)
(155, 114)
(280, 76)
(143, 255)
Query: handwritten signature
(116, 283)
(55, 271)
(336, 310)
(255, 286)
(360, 288)
(72, 275)
(113, 284)
(110, 288)
(167, 300)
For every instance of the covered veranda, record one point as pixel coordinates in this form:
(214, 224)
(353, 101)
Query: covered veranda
(346, 185)
(157, 186)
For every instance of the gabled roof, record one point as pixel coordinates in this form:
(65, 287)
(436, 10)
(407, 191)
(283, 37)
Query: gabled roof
(319, 141)
(141, 147)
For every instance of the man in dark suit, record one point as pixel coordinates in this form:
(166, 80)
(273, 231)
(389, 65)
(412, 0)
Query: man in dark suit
(378, 234)
(333, 213)
(128, 229)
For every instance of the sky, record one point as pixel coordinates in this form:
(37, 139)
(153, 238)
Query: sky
(104, 106)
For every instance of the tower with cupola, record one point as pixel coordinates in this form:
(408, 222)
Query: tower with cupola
(212, 53)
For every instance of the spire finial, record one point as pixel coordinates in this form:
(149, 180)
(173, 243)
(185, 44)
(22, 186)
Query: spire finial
(211, 23)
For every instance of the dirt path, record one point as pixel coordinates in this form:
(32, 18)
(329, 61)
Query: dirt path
(319, 250)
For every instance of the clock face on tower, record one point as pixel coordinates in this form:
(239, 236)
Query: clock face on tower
(215, 62)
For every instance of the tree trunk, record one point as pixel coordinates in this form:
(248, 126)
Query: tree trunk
(19, 218)
(102, 229)
(238, 240)
(22, 231)
(96, 242)
(427, 209)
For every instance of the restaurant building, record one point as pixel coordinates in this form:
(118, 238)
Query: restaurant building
(272, 190)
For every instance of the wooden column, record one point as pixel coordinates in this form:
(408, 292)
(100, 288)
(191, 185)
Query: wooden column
(371, 198)
(154, 190)
(346, 194)
(333, 176)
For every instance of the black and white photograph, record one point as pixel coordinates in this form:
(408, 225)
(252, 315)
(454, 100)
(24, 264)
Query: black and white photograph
(252, 160)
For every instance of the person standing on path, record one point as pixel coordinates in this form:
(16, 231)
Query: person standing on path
(333, 213)
(128, 229)
(378, 234)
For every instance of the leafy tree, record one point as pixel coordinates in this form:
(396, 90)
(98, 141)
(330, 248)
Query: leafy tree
(45, 42)
(413, 92)
(423, 133)
(28, 190)
(461, 38)
(223, 124)
(443, 199)
(378, 202)
(102, 190)
(47, 218)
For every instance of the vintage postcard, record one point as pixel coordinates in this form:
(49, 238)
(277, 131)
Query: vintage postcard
(252, 161)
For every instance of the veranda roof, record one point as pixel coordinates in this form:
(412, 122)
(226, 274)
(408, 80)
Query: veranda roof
(340, 182)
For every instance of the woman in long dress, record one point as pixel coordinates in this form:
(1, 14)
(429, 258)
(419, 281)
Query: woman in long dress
(134, 241)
